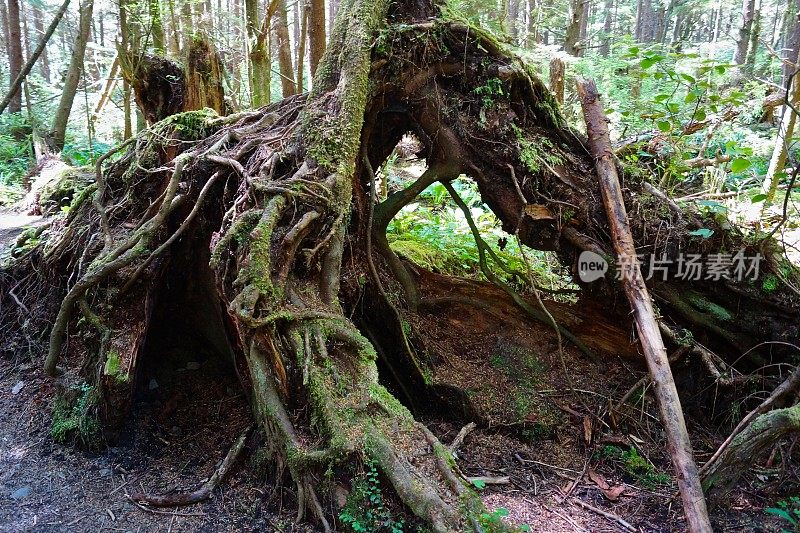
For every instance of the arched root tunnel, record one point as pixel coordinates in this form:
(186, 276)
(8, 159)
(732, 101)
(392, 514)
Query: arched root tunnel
(266, 227)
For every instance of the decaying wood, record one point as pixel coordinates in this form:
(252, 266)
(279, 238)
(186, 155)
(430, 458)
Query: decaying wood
(680, 447)
(789, 386)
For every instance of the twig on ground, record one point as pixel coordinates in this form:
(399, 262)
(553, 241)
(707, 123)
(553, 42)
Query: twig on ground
(611, 516)
(459, 440)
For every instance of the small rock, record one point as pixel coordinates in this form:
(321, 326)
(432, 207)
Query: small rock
(17, 387)
(192, 365)
(20, 493)
(153, 384)
(105, 472)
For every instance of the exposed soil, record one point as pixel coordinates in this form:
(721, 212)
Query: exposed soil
(534, 432)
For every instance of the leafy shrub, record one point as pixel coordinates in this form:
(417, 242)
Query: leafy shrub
(15, 149)
(74, 415)
(365, 510)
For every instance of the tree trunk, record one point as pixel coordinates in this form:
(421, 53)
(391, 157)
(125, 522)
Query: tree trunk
(38, 24)
(301, 46)
(157, 27)
(752, 50)
(780, 152)
(316, 33)
(791, 47)
(605, 46)
(572, 40)
(74, 73)
(283, 47)
(633, 283)
(14, 55)
(40, 50)
(557, 72)
(742, 43)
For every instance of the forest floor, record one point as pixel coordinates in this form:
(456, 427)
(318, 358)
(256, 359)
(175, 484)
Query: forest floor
(184, 421)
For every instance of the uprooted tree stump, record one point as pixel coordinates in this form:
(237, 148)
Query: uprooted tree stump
(271, 214)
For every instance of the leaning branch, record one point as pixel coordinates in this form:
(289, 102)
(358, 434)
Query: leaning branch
(646, 324)
(17, 83)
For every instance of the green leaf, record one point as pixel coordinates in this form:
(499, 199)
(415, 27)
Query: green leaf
(690, 97)
(647, 62)
(688, 78)
(720, 69)
(700, 115)
(758, 198)
(702, 232)
(661, 97)
(479, 484)
(781, 513)
(740, 165)
(664, 125)
(633, 50)
(501, 511)
(673, 107)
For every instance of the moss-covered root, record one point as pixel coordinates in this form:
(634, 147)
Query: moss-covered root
(355, 420)
(748, 446)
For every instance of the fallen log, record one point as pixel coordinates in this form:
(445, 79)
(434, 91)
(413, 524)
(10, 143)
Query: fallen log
(680, 447)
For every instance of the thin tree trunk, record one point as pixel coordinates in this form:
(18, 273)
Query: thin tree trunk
(742, 43)
(791, 44)
(157, 27)
(39, 51)
(284, 50)
(316, 33)
(752, 50)
(127, 129)
(301, 46)
(557, 79)
(572, 40)
(187, 24)
(14, 55)
(4, 24)
(73, 77)
(652, 344)
(174, 34)
(780, 151)
(38, 25)
(605, 46)
(111, 80)
(512, 22)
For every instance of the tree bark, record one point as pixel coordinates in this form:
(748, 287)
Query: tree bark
(14, 55)
(38, 25)
(157, 27)
(780, 152)
(557, 73)
(40, 50)
(749, 446)
(633, 284)
(283, 47)
(316, 33)
(73, 77)
(743, 42)
(605, 46)
(572, 40)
